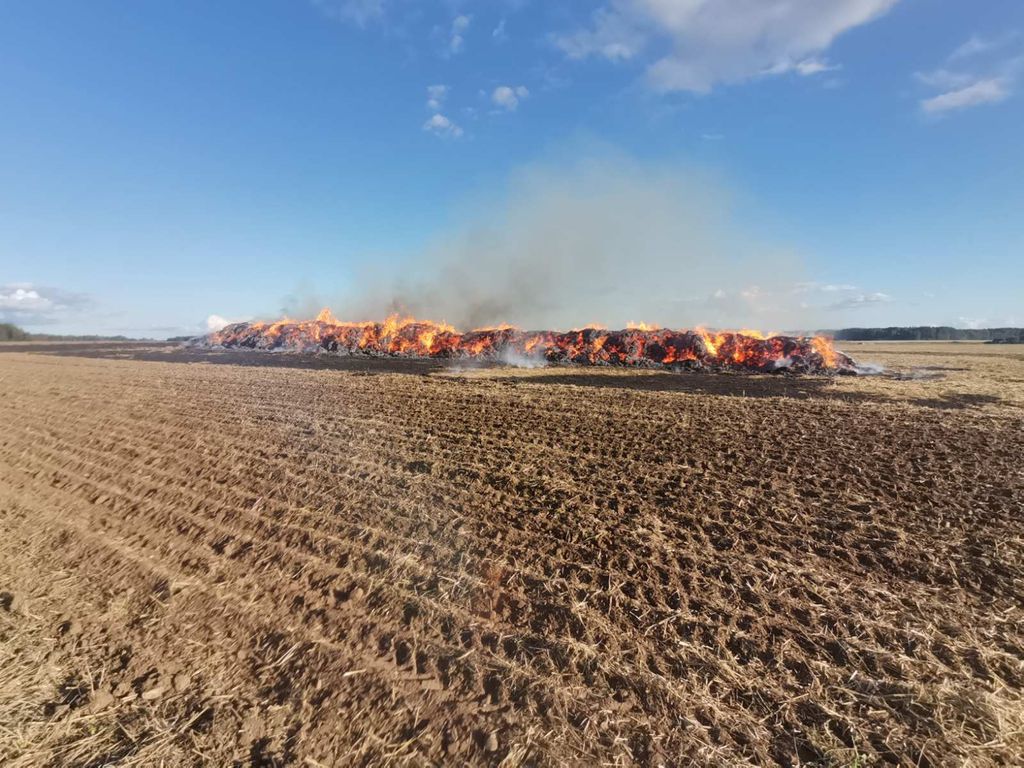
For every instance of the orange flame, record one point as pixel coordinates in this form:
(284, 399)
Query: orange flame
(824, 348)
(640, 345)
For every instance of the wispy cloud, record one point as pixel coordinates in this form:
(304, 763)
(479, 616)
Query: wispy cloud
(837, 296)
(436, 94)
(456, 39)
(943, 79)
(972, 322)
(359, 12)
(613, 34)
(815, 66)
(809, 299)
(508, 98)
(973, 76)
(977, 45)
(990, 91)
(720, 41)
(814, 287)
(861, 301)
(998, 321)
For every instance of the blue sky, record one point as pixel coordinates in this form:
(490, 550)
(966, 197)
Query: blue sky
(809, 164)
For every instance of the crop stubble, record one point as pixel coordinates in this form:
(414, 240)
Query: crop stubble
(270, 566)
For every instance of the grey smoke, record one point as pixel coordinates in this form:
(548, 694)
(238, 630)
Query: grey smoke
(604, 240)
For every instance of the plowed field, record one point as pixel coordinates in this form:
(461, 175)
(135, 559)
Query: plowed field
(367, 564)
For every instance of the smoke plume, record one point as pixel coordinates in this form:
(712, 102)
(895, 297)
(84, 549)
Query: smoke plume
(605, 240)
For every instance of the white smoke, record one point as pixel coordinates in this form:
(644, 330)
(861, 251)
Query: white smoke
(216, 323)
(516, 359)
(870, 369)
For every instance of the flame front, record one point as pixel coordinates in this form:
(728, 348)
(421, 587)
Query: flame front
(640, 344)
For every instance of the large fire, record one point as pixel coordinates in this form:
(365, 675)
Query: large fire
(639, 344)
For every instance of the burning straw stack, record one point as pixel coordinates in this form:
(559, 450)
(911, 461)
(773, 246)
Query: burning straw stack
(641, 346)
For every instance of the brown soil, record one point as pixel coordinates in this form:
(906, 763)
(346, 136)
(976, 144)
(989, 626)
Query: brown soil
(367, 563)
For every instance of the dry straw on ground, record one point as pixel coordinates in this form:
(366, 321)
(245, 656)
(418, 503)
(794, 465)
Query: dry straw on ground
(379, 564)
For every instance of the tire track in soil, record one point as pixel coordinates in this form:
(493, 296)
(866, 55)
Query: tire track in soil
(300, 596)
(625, 589)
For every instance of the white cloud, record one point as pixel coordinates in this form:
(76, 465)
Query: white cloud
(440, 125)
(498, 33)
(989, 91)
(508, 98)
(721, 41)
(359, 12)
(17, 297)
(436, 94)
(31, 304)
(457, 39)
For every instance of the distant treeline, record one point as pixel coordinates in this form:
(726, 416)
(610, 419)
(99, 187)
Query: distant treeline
(11, 332)
(929, 333)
